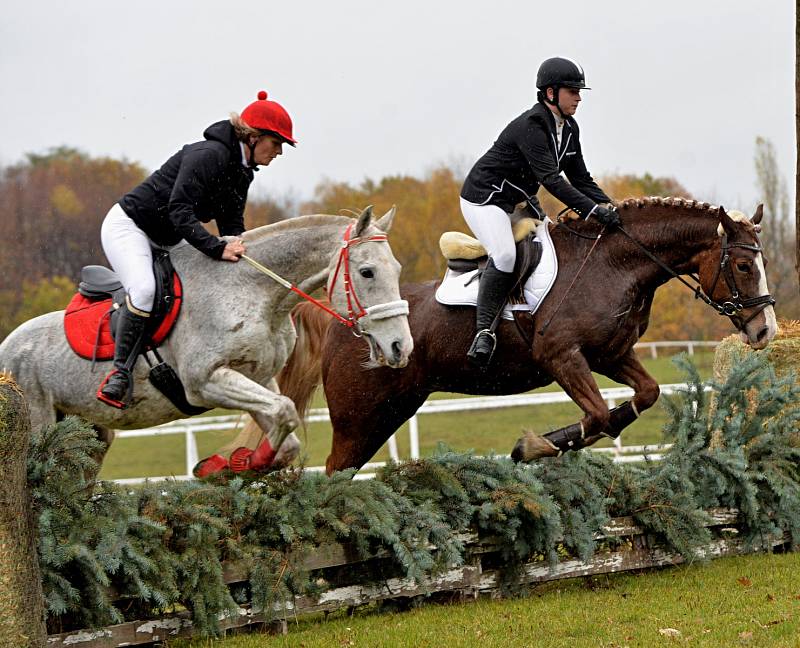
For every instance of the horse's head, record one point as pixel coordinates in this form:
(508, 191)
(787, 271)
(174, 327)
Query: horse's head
(734, 276)
(364, 281)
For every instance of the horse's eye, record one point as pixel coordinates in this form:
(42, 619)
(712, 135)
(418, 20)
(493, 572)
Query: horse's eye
(367, 273)
(743, 267)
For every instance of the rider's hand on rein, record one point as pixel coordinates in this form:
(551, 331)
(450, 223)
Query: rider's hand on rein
(233, 250)
(606, 216)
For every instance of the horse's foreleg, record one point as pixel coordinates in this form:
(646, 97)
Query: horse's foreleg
(575, 378)
(630, 372)
(273, 413)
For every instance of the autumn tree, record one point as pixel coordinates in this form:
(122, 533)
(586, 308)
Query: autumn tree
(777, 235)
(51, 208)
(426, 207)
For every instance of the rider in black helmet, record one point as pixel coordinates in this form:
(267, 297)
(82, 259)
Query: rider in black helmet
(531, 151)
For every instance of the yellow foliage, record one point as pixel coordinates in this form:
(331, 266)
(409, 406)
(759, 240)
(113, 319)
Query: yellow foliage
(425, 208)
(65, 201)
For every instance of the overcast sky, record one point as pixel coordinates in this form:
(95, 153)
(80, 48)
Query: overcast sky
(679, 88)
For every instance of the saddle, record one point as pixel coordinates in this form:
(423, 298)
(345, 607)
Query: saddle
(536, 267)
(91, 316)
(90, 322)
(466, 254)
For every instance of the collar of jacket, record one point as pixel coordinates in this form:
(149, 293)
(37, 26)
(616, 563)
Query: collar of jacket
(543, 114)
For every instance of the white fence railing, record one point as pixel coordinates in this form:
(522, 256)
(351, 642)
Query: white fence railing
(190, 427)
(689, 345)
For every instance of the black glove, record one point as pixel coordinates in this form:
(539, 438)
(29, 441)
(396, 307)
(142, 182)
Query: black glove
(606, 216)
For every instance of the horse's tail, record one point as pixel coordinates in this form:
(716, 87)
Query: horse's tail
(300, 377)
(302, 373)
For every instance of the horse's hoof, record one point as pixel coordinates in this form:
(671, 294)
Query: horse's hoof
(531, 447)
(210, 466)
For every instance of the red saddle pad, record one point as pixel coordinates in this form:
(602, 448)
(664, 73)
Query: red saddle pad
(87, 324)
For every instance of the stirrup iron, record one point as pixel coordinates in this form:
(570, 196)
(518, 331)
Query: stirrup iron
(482, 357)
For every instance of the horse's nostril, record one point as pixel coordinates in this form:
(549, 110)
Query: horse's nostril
(396, 350)
(762, 334)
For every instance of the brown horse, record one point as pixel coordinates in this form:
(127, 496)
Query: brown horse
(597, 317)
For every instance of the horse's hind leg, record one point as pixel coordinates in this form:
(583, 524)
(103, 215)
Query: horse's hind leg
(575, 378)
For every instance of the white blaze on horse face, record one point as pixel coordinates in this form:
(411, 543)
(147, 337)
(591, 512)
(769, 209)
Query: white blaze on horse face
(768, 313)
(754, 332)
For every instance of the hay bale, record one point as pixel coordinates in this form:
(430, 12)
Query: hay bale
(783, 352)
(21, 600)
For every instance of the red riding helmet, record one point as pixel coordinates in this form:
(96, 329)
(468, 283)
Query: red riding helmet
(270, 117)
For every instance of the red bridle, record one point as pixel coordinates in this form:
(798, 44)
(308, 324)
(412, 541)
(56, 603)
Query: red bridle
(378, 311)
(343, 264)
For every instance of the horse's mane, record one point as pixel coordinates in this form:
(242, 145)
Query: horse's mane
(669, 201)
(296, 222)
(696, 207)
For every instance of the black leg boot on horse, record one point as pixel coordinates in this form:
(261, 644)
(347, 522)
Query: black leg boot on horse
(493, 292)
(117, 389)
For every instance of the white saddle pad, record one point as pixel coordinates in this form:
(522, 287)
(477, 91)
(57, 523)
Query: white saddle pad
(461, 288)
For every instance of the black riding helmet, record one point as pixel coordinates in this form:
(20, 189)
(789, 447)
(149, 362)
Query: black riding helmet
(558, 73)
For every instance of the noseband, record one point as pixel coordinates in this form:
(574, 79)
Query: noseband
(371, 313)
(735, 304)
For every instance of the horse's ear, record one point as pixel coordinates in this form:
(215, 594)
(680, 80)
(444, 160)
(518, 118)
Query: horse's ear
(726, 223)
(384, 223)
(756, 219)
(363, 221)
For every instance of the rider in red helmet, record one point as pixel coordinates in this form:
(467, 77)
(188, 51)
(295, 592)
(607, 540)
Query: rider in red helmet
(204, 181)
(532, 151)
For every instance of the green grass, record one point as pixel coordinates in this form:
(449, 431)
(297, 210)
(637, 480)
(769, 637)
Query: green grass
(481, 431)
(742, 601)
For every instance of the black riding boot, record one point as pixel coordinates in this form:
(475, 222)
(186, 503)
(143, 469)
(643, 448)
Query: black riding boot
(492, 295)
(118, 387)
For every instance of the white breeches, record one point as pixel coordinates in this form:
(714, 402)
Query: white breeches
(128, 251)
(492, 227)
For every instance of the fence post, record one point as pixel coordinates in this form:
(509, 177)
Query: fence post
(691, 348)
(413, 437)
(191, 451)
(393, 454)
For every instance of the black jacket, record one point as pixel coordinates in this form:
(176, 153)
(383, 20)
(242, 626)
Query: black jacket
(203, 181)
(524, 157)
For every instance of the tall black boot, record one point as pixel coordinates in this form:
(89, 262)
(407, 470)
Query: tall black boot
(492, 295)
(117, 389)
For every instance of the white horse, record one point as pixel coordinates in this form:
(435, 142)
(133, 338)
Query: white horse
(234, 333)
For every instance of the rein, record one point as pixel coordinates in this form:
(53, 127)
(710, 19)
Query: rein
(378, 311)
(730, 308)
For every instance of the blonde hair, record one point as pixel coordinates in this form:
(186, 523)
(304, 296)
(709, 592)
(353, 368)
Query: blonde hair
(242, 129)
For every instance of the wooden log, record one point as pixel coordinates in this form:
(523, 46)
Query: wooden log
(22, 621)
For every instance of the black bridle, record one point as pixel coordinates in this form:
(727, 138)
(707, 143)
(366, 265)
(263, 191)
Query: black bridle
(733, 305)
